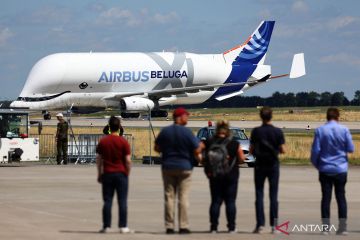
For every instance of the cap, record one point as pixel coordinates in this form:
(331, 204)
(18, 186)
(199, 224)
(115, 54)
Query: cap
(59, 115)
(179, 112)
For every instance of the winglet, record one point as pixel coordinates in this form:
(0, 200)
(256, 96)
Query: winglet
(298, 66)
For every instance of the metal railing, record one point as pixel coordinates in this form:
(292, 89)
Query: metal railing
(81, 147)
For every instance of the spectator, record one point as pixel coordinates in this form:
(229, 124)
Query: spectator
(61, 139)
(177, 144)
(332, 142)
(223, 154)
(266, 142)
(114, 164)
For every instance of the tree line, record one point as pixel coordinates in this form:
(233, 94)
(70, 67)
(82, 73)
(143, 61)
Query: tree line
(300, 99)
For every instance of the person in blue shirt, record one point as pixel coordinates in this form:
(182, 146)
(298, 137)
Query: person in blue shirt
(332, 143)
(178, 147)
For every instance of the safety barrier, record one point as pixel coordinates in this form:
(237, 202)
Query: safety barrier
(81, 147)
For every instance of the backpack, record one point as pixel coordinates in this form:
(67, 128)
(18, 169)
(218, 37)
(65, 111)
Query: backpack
(217, 161)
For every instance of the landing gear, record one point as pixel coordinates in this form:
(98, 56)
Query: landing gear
(159, 114)
(46, 115)
(130, 115)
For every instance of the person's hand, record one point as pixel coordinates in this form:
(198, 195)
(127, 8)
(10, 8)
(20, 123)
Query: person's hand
(99, 178)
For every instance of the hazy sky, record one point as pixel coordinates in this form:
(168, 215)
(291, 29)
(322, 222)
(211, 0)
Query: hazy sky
(327, 31)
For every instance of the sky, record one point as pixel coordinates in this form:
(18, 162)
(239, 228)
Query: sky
(327, 31)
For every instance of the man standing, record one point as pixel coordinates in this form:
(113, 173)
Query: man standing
(61, 139)
(114, 164)
(331, 144)
(267, 142)
(178, 146)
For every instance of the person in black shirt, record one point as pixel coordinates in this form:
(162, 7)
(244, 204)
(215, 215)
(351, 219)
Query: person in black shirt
(224, 185)
(266, 143)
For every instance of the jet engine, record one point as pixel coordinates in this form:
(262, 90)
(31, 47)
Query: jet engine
(136, 104)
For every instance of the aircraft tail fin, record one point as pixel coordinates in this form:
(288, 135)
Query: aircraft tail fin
(254, 48)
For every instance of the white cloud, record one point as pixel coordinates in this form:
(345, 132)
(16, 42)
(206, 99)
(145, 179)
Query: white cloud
(341, 22)
(5, 34)
(299, 7)
(342, 58)
(130, 18)
(165, 18)
(119, 16)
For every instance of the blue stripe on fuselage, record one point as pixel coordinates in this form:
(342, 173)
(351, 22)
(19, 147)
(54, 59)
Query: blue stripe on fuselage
(239, 73)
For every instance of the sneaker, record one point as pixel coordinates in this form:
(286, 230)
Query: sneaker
(259, 230)
(274, 231)
(342, 233)
(213, 229)
(234, 231)
(170, 231)
(325, 233)
(104, 230)
(184, 231)
(126, 230)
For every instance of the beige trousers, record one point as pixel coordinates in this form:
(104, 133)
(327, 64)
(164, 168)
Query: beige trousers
(176, 183)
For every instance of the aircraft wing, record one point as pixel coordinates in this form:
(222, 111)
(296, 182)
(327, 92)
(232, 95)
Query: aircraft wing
(157, 94)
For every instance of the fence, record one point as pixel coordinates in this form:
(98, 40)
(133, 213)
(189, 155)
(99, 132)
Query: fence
(81, 147)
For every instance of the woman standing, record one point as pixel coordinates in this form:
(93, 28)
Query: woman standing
(222, 156)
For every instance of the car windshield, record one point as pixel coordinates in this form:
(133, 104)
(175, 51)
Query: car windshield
(236, 133)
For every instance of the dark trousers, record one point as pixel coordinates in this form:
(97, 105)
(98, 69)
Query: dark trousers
(112, 182)
(338, 181)
(260, 175)
(223, 189)
(62, 147)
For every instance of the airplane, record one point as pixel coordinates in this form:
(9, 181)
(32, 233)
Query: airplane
(137, 82)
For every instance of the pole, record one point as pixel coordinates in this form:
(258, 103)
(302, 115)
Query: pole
(150, 128)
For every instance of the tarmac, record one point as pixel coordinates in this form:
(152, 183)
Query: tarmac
(64, 202)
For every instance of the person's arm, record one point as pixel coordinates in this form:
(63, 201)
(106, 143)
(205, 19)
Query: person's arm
(198, 153)
(57, 132)
(158, 141)
(100, 167)
(282, 149)
(128, 163)
(315, 149)
(252, 139)
(157, 148)
(282, 143)
(349, 142)
(240, 155)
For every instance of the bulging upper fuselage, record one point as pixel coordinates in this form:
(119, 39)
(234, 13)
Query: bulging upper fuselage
(62, 80)
(102, 80)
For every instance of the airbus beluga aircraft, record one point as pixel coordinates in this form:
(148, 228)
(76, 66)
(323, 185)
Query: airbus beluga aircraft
(139, 82)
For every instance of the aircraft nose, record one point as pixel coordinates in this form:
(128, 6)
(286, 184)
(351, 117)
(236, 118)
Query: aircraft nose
(5, 104)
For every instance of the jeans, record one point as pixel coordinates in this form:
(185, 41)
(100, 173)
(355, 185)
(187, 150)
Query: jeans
(223, 189)
(327, 182)
(176, 182)
(260, 175)
(110, 183)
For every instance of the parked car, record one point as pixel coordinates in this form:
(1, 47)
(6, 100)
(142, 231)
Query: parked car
(238, 134)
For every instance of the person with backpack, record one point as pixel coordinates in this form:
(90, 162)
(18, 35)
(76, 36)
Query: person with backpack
(266, 143)
(222, 156)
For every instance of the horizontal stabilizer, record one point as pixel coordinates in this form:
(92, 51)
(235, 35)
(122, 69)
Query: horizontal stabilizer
(298, 66)
(221, 98)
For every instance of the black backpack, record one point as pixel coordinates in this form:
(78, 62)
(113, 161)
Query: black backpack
(217, 162)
